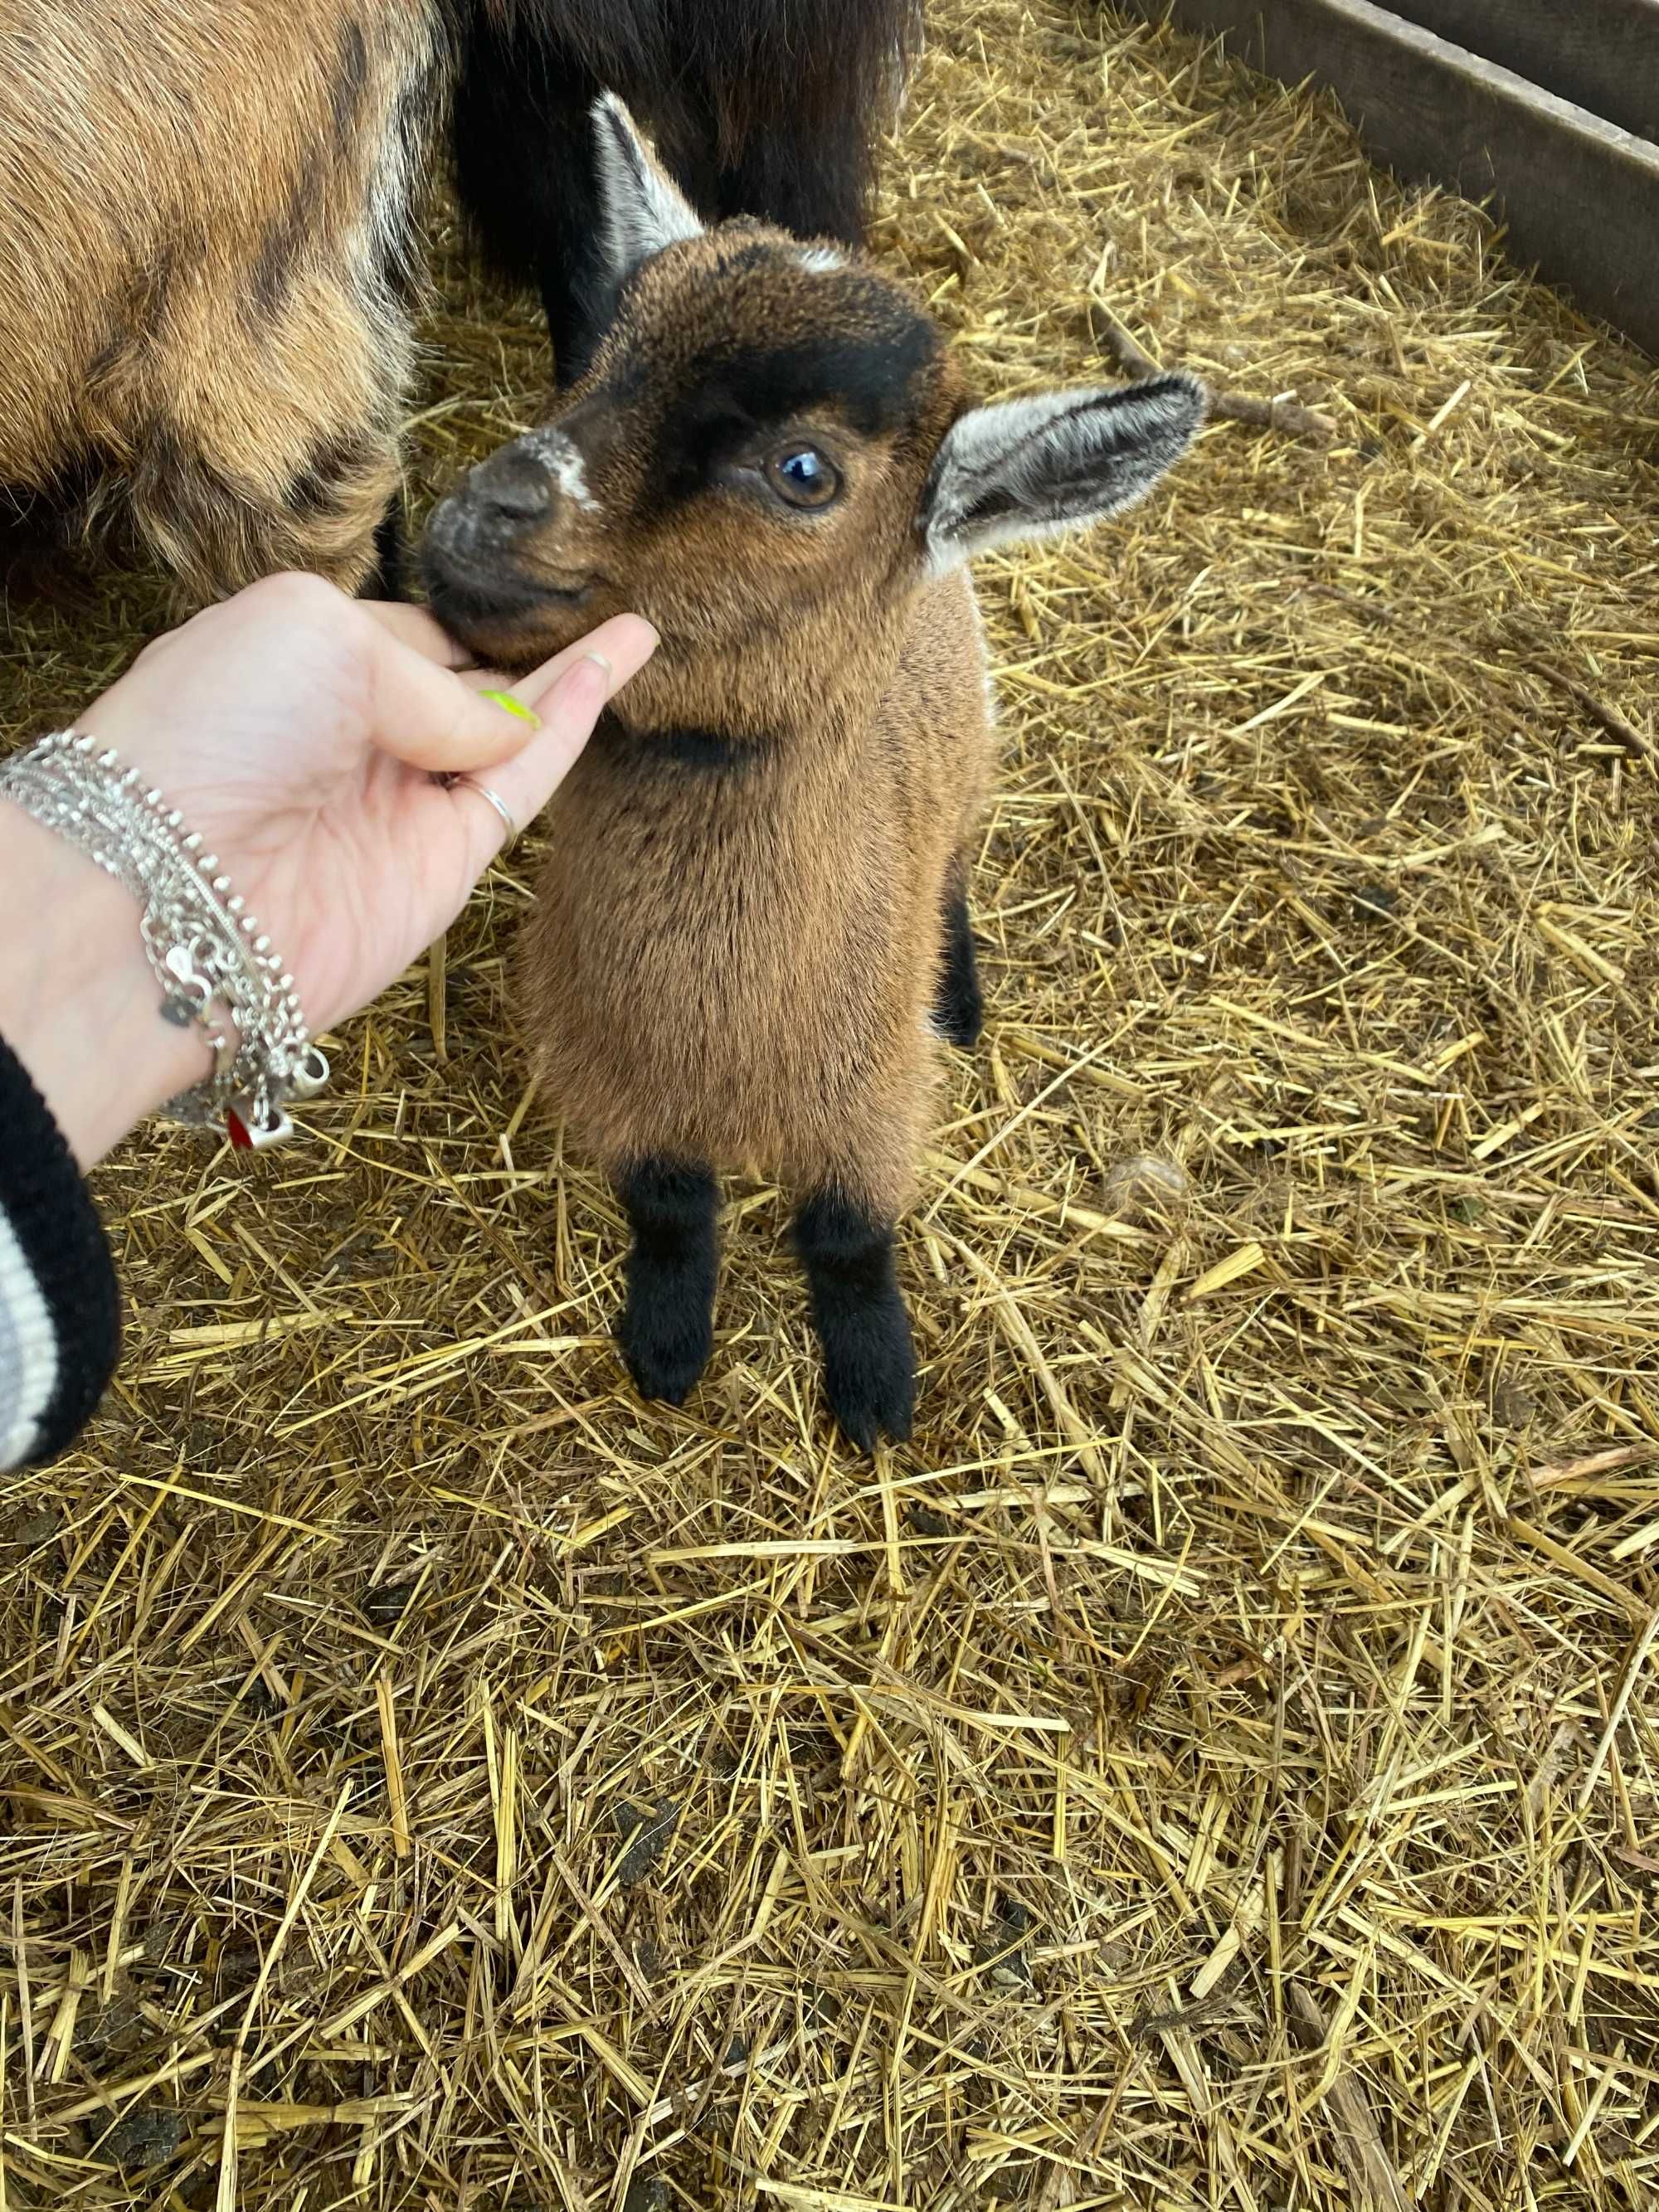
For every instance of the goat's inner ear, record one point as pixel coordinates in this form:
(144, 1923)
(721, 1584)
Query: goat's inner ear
(642, 208)
(1026, 468)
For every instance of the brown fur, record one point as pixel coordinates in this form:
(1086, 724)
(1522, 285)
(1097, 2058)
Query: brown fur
(752, 902)
(203, 306)
(747, 978)
(736, 964)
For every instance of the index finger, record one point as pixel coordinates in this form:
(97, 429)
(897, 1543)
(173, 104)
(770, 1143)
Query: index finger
(433, 718)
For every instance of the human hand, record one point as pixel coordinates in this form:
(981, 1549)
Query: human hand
(298, 731)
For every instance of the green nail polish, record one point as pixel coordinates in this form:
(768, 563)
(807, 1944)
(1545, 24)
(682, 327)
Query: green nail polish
(509, 705)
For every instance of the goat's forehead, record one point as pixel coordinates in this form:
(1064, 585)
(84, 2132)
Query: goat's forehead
(770, 330)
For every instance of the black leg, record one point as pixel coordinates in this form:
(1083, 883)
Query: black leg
(575, 322)
(667, 1327)
(869, 1366)
(811, 182)
(524, 171)
(385, 580)
(959, 1005)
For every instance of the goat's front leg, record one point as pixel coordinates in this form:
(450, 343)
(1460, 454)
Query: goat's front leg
(858, 1310)
(813, 182)
(667, 1326)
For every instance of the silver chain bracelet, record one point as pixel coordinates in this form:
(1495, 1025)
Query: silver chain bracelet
(216, 971)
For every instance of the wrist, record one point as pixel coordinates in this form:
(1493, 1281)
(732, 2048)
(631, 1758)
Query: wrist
(79, 1004)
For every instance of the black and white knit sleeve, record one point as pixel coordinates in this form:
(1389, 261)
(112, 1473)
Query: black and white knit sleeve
(60, 1316)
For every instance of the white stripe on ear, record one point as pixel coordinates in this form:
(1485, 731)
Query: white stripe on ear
(1027, 468)
(642, 208)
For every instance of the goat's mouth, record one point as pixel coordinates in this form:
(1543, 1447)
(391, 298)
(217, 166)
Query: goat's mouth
(500, 609)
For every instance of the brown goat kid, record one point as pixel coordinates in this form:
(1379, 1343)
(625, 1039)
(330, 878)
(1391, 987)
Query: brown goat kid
(752, 921)
(204, 227)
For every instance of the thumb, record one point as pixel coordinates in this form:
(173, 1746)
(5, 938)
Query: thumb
(434, 720)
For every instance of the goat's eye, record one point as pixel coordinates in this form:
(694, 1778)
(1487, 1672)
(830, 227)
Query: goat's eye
(801, 474)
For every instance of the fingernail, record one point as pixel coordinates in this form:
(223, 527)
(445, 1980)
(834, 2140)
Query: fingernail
(516, 708)
(578, 679)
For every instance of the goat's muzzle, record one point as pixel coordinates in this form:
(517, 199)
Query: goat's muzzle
(509, 493)
(492, 511)
(497, 557)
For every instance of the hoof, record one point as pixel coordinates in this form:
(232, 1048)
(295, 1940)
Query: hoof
(870, 1373)
(664, 1358)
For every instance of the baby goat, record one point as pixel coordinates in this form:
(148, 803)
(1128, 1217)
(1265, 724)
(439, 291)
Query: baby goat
(205, 239)
(752, 917)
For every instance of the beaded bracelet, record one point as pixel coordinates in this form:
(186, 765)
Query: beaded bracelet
(216, 971)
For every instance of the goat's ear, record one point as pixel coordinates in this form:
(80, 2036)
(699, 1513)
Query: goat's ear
(1025, 468)
(642, 208)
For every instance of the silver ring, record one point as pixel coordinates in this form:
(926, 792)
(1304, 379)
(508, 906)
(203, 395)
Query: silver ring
(494, 798)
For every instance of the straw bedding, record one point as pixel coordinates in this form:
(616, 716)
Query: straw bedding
(1216, 1765)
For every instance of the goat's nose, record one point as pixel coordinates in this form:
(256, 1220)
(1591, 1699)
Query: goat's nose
(511, 490)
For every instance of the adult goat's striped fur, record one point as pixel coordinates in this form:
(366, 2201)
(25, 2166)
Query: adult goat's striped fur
(209, 227)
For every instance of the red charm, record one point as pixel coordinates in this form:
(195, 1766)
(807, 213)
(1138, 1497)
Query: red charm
(240, 1137)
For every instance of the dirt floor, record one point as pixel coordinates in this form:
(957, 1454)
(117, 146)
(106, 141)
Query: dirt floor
(1218, 1763)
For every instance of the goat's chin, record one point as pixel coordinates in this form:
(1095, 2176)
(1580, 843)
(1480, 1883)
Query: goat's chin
(510, 642)
(510, 623)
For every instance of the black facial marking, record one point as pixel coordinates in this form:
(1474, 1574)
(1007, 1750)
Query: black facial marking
(858, 1310)
(959, 1003)
(868, 380)
(667, 1327)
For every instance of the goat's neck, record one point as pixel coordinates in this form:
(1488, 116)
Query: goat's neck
(812, 695)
